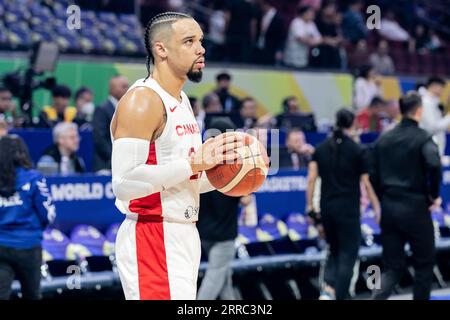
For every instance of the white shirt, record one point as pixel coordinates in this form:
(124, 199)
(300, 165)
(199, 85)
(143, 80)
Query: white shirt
(296, 53)
(365, 91)
(391, 30)
(432, 119)
(114, 101)
(382, 64)
(217, 25)
(265, 23)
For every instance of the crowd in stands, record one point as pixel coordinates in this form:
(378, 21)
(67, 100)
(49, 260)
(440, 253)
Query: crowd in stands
(373, 114)
(305, 33)
(411, 36)
(325, 33)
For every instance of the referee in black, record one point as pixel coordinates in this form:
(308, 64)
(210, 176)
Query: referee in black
(407, 177)
(342, 165)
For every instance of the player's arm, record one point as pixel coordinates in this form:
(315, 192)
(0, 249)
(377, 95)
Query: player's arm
(140, 118)
(372, 196)
(313, 174)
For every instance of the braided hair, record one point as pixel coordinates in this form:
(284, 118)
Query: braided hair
(160, 20)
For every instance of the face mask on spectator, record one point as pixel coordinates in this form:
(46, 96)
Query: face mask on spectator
(88, 108)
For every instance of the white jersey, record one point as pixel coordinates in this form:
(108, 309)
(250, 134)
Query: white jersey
(180, 138)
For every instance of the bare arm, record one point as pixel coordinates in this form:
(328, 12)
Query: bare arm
(313, 174)
(372, 195)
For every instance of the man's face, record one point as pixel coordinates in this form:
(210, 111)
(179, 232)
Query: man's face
(86, 97)
(214, 105)
(309, 15)
(118, 86)
(224, 84)
(437, 89)
(293, 105)
(248, 109)
(70, 140)
(383, 48)
(60, 103)
(5, 101)
(295, 141)
(185, 52)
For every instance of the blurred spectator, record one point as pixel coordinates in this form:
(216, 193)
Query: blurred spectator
(103, 114)
(424, 41)
(297, 153)
(229, 102)
(59, 110)
(391, 30)
(435, 42)
(6, 106)
(211, 103)
(216, 32)
(359, 56)
(302, 35)
(218, 229)
(329, 27)
(248, 117)
(353, 24)
(369, 119)
(25, 211)
(3, 128)
(420, 39)
(241, 30)
(367, 87)
(291, 117)
(84, 98)
(270, 34)
(381, 61)
(315, 4)
(432, 118)
(61, 157)
(212, 109)
(199, 113)
(175, 5)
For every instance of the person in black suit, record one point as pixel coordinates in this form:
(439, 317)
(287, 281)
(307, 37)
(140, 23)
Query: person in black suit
(103, 114)
(293, 118)
(407, 175)
(270, 34)
(297, 153)
(230, 103)
(247, 114)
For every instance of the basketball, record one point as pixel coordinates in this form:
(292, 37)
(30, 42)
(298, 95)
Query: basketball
(245, 175)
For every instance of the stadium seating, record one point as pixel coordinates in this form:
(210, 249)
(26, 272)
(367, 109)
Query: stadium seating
(89, 247)
(23, 23)
(57, 253)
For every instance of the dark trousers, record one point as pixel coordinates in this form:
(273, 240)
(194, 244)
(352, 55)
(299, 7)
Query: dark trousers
(25, 264)
(406, 220)
(343, 235)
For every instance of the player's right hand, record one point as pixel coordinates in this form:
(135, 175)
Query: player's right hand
(217, 150)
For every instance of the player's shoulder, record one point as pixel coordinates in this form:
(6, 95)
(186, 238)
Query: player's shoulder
(141, 100)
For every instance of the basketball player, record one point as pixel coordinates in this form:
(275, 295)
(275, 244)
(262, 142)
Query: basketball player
(157, 164)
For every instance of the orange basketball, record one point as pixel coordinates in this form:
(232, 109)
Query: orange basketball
(246, 174)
